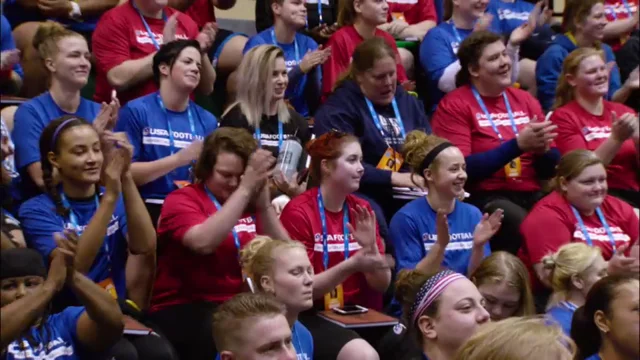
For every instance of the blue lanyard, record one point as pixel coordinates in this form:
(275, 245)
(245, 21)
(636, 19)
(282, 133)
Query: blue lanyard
(258, 135)
(73, 219)
(325, 235)
(146, 26)
(320, 12)
(215, 202)
(456, 34)
(172, 143)
(602, 220)
(569, 306)
(295, 44)
(376, 119)
(488, 115)
(626, 5)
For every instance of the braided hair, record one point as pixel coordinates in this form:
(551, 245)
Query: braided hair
(49, 142)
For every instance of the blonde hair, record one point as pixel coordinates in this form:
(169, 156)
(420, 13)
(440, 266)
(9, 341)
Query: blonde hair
(258, 257)
(571, 166)
(501, 267)
(254, 96)
(565, 93)
(47, 36)
(233, 317)
(416, 147)
(522, 338)
(570, 260)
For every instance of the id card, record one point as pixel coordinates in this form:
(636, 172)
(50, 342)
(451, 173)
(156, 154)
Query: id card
(513, 169)
(398, 16)
(391, 160)
(334, 299)
(107, 284)
(181, 183)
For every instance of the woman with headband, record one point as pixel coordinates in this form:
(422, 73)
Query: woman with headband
(414, 228)
(202, 229)
(502, 133)
(441, 310)
(117, 241)
(166, 128)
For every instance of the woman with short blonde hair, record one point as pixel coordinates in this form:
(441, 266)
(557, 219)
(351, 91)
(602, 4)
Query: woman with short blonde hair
(518, 338)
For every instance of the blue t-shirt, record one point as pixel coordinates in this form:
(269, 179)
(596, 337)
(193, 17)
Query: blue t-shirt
(562, 315)
(7, 42)
(302, 342)
(295, 92)
(59, 333)
(594, 357)
(40, 220)
(438, 50)
(17, 14)
(30, 120)
(510, 14)
(413, 233)
(145, 122)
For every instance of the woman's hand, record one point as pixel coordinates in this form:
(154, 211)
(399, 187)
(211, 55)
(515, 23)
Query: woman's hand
(487, 227)
(67, 242)
(289, 187)
(370, 260)
(483, 23)
(442, 229)
(365, 227)
(258, 171)
(170, 27)
(619, 264)
(112, 175)
(314, 58)
(9, 58)
(537, 136)
(623, 127)
(207, 36)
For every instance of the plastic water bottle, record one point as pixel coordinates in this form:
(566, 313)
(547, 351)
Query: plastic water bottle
(288, 157)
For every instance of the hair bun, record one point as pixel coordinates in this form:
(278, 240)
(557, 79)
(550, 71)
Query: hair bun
(549, 261)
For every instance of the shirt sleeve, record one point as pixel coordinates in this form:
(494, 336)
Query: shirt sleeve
(336, 64)
(180, 212)
(407, 241)
(436, 54)
(69, 318)
(253, 41)
(128, 123)
(110, 42)
(38, 224)
(632, 225)
(544, 233)
(569, 135)
(449, 122)
(424, 10)
(26, 135)
(298, 225)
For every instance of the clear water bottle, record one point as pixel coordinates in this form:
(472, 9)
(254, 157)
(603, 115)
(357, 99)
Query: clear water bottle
(289, 157)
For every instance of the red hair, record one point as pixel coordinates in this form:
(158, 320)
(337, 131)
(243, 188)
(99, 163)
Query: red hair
(328, 146)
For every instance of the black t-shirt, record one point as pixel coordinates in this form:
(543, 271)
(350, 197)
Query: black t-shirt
(296, 127)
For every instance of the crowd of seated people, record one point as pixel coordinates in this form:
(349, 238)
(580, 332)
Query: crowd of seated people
(465, 170)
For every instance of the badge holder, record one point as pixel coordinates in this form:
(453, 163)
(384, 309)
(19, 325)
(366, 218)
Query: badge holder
(513, 169)
(391, 160)
(334, 299)
(107, 284)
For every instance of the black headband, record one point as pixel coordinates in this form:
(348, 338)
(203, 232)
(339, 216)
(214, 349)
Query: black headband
(431, 155)
(21, 262)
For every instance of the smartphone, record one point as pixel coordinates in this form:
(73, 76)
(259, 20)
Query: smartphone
(350, 310)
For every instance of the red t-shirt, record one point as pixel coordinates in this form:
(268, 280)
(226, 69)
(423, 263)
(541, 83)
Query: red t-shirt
(186, 277)
(616, 10)
(413, 11)
(301, 218)
(551, 224)
(342, 44)
(579, 129)
(120, 36)
(202, 12)
(460, 119)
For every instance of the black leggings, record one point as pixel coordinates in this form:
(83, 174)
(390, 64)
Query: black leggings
(516, 206)
(189, 328)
